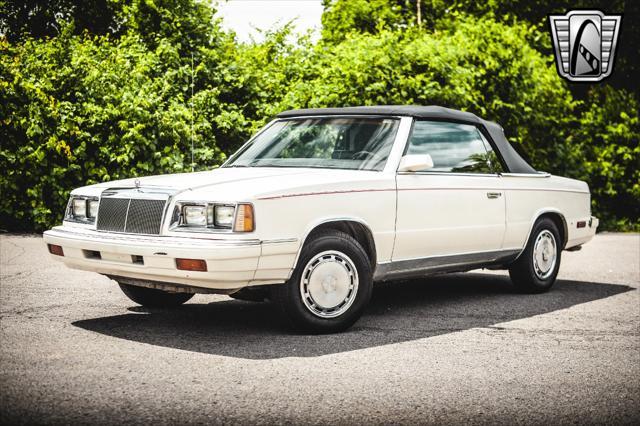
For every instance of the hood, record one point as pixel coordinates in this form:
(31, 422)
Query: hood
(185, 181)
(238, 183)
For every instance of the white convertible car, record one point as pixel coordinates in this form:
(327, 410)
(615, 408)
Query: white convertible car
(322, 203)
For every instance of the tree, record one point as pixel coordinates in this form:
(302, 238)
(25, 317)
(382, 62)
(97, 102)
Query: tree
(20, 19)
(82, 109)
(81, 104)
(609, 141)
(362, 16)
(342, 17)
(187, 24)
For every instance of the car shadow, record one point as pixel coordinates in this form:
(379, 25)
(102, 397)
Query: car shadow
(399, 312)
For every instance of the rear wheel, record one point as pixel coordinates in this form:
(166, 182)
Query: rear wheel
(330, 287)
(153, 298)
(536, 269)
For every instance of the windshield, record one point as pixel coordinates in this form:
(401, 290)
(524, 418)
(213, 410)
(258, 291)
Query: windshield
(358, 143)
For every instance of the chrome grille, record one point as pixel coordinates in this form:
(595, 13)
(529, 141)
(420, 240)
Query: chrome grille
(135, 216)
(145, 216)
(112, 214)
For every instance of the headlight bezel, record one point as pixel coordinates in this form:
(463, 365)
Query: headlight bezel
(179, 221)
(86, 217)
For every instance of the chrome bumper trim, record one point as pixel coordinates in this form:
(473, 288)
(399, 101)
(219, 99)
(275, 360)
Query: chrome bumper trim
(97, 236)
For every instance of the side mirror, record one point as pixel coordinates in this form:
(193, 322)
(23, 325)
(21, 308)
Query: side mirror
(415, 163)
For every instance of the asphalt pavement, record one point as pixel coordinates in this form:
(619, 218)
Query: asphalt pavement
(461, 348)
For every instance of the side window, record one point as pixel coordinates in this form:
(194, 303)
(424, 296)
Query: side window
(494, 161)
(453, 147)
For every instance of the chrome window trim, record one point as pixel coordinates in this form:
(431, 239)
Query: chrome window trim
(438, 173)
(527, 175)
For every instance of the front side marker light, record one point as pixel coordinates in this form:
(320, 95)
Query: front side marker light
(244, 219)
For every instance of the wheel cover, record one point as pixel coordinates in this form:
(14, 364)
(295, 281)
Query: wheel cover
(329, 284)
(545, 254)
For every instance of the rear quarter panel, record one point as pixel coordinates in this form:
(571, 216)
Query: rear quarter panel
(528, 197)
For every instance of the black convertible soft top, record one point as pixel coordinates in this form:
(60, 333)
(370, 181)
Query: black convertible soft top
(513, 161)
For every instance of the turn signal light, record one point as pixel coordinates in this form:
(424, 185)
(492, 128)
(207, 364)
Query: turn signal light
(244, 218)
(57, 250)
(191, 265)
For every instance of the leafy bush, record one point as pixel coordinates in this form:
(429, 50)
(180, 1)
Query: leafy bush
(609, 141)
(81, 110)
(82, 107)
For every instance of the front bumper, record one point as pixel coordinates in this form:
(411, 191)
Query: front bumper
(231, 264)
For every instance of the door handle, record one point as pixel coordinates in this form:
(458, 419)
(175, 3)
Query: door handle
(494, 194)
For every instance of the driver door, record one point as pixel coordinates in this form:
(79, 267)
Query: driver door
(456, 207)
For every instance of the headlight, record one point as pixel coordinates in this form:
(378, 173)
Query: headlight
(92, 209)
(223, 216)
(82, 209)
(214, 216)
(195, 215)
(79, 208)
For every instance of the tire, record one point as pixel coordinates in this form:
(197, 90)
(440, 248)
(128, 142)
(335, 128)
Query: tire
(251, 294)
(330, 286)
(536, 269)
(153, 298)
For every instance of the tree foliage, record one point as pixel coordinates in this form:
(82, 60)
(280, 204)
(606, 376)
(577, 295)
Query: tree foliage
(22, 19)
(96, 100)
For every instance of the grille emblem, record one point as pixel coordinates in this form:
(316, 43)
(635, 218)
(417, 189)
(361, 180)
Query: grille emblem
(137, 183)
(585, 44)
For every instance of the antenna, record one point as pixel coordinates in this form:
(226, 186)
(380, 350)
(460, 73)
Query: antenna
(191, 102)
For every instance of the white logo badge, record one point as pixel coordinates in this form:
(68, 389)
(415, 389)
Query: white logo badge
(585, 44)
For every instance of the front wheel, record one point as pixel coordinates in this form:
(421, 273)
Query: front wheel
(153, 298)
(329, 288)
(536, 269)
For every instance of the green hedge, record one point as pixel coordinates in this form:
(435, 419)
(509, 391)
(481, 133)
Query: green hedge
(79, 108)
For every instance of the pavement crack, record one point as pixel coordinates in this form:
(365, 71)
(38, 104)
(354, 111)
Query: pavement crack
(20, 253)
